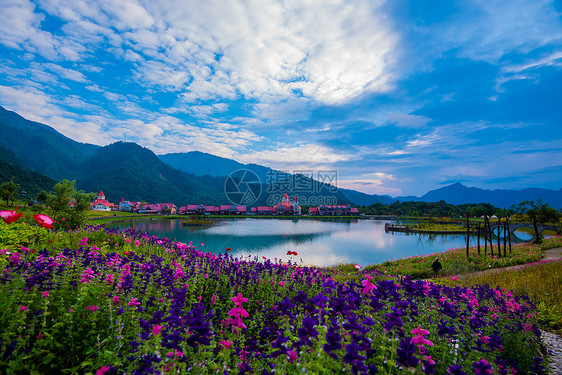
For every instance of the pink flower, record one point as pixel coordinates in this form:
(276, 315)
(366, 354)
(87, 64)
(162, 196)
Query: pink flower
(10, 216)
(239, 299)
(282, 283)
(45, 294)
(454, 278)
(420, 340)
(238, 311)
(419, 331)
(83, 242)
(44, 220)
(174, 353)
(156, 329)
(134, 302)
(137, 243)
(93, 308)
(116, 300)
(357, 266)
(109, 279)
(103, 370)
(87, 276)
(225, 344)
(23, 308)
(127, 240)
(292, 356)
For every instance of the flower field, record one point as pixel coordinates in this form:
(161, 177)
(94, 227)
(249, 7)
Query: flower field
(105, 301)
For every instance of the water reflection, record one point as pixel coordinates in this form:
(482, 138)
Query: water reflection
(319, 242)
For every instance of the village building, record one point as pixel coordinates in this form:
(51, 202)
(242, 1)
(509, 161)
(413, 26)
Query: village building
(333, 210)
(285, 207)
(101, 204)
(158, 209)
(128, 206)
(224, 209)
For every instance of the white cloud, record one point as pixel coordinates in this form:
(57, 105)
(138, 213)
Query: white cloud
(404, 120)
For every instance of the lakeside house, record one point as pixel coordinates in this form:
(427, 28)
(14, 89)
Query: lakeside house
(223, 209)
(333, 210)
(285, 207)
(101, 204)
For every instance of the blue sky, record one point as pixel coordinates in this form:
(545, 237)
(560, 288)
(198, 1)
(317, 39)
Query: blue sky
(399, 97)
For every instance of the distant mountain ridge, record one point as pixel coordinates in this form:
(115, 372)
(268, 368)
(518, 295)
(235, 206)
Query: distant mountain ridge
(133, 172)
(458, 194)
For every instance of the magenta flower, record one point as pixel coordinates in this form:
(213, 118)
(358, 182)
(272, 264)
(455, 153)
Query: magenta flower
(156, 329)
(44, 220)
(103, 370)
(137, 243)
(225, 344)
(116, 300)
(23, 308)
(368, 286)
(292, 356)
(420, 340)
(87, 276)
(357, 266)
(419, 331)
(93, 308)
(10, 216)
(83, 242)
(134, 302)
(45, 294)
(238, 311)
(239, 299)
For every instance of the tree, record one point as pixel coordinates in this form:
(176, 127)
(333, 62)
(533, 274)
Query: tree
(9, 190)
(539, 213)
(42, 197)
(68, 206)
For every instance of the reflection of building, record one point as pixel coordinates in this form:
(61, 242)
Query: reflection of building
(101, 204)
(286, 207)
(333, 210)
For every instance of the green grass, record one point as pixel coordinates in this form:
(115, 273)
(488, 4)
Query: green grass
(455, 262)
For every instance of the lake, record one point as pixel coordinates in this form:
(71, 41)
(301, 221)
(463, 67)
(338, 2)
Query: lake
(318, 242)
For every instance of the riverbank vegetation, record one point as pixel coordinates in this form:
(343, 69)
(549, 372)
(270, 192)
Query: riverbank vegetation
(97, 300)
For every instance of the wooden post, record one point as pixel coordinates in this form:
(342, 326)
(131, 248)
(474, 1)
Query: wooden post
(467, 235)
(485, 236)
(504, 239)
(499, 239)
(478, 238)
(508, 235)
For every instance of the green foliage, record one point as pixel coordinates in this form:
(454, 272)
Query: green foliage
(69, 207)
(31, 182)
(18, 234)
(432, 209)
(9, 191)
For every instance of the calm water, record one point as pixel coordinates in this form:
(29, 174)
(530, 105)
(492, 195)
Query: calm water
(318, 242)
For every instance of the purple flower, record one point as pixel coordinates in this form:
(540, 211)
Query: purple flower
(482, 367)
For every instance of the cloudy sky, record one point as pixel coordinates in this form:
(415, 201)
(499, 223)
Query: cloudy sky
(399, 97)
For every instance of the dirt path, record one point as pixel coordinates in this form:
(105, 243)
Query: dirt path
(550, 254)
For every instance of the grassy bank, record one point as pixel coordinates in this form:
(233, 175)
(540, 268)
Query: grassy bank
(455, 262)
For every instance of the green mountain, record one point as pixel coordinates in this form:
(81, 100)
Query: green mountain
(274, 184)
(41, 147)
(135, 173)
(30, 182)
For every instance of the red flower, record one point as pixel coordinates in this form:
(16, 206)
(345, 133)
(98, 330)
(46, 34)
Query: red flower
(292, 253)
(10, 216)
(228, 249)
(44, 220)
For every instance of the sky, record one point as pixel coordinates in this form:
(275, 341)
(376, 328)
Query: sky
(397, 97)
